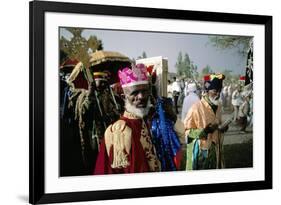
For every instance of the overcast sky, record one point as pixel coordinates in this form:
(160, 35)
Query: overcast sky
(168, 45)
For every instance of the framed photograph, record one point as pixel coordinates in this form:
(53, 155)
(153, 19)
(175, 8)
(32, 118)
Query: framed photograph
(110, 102)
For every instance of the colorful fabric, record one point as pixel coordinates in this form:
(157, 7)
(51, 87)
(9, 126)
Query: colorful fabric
(199, 116)
(131, 142)
(133, 76)
(165, 138)
(213, 81)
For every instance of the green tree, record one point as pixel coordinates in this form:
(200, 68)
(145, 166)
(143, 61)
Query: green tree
(194, 70)
(206, 70)
(143, 55)
(78, 47)
(187, 70)
(185, 66)
(228, 76)
(228, 42)
(179, 64)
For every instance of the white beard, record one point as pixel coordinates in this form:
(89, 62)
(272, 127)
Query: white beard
(214, 101)
(139, 112)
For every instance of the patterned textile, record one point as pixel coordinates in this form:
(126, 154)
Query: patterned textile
(127, 148)
(199, 116)
(165, 138)
(135, 76)
(213, 81)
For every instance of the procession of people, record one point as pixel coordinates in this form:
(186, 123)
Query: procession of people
(113, 121)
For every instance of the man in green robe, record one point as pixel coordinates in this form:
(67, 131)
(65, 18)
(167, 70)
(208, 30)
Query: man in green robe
(204, 128)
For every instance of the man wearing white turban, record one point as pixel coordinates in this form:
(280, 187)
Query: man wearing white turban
(189, 99)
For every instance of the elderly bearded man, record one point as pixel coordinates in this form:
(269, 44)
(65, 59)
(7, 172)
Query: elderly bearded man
(127, 145)
(204, 128)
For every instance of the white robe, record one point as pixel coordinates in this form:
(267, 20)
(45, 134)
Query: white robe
(188, 101)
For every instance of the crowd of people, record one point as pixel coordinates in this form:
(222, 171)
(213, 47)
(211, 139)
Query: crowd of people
(126, 128)
(234, 98)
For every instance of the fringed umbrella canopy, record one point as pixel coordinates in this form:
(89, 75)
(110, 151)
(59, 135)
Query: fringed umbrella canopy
(110, 61)
(99, 57)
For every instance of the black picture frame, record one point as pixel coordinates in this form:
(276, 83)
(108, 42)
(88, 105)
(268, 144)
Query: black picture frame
(37, 194)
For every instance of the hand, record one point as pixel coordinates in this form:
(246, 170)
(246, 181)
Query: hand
(210, 128)
(203, 135)
(223, 129)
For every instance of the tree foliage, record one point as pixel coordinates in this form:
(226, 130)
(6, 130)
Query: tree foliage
(143, 55)
(78, 47)
(185, 67)
(228, 42)
(179, 65)
(230, 77)
(244, 45)
(206, 70)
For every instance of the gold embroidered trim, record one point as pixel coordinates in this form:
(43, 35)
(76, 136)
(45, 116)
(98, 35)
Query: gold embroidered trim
(130, 115)
(119, 136)
(149, 149)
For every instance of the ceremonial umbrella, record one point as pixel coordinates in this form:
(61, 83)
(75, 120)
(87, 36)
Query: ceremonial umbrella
(109, 61)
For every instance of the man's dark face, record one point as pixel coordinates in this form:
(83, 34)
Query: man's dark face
(214, 93)
(100, 84)
(137, 95)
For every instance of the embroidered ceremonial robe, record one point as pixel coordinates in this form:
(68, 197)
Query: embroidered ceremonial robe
(127, 148)
(203, 153)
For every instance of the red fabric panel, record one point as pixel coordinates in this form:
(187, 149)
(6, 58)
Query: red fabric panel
(138, 162)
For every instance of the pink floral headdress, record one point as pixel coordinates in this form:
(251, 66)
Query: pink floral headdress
(135, 76)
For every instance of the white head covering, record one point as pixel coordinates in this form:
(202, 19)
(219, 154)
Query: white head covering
(191, 87)
(189, 99)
